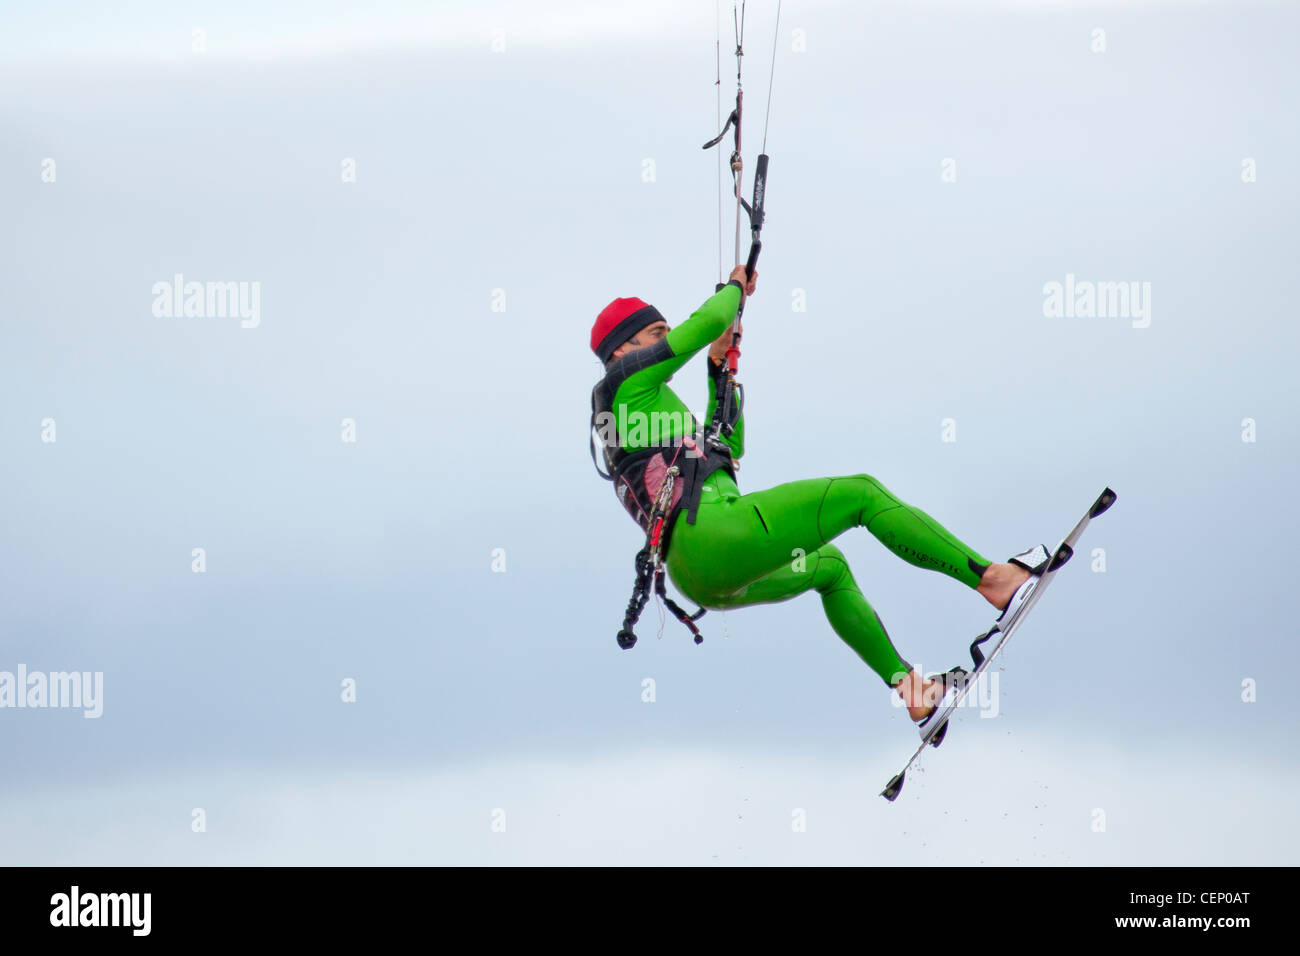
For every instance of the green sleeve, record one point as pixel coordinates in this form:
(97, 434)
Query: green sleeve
(699, 331)
(702, 329)
(707, 322)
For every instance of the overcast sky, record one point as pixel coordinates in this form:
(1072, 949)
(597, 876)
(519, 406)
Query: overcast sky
(434, 201)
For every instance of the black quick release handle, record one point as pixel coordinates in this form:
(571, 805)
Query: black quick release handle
(756, 214)
(760, 189)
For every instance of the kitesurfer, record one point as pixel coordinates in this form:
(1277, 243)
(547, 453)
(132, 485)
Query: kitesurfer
(733, 550)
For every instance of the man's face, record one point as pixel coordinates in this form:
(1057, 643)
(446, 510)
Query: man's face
(651, 335)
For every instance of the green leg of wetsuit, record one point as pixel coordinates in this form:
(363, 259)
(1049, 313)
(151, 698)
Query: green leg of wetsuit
(773, 545)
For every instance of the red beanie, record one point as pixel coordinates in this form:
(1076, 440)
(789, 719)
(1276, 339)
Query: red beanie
(618, 322)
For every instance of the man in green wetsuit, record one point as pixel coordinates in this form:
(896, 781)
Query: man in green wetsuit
(731, 550)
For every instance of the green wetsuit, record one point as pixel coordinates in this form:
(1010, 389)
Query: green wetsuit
(772, 545)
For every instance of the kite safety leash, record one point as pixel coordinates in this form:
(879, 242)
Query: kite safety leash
(650, 570)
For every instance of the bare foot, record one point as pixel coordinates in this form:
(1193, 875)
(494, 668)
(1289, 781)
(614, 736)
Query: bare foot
(919, 694)
(1000, 582)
